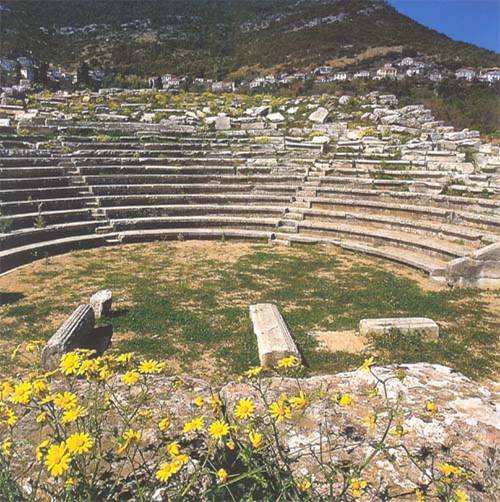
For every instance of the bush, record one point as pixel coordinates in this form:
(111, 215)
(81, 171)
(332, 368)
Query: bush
(101, 433)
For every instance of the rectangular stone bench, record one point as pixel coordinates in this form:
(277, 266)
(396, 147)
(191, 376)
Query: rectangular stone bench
(274, 340)
(403, 324)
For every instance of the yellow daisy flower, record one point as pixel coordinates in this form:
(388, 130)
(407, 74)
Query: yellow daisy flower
(57, 459)
(70, 363)
(79, 443)
(244, 409)
(131, 377)
(222, 475)
(218, 429)
(196, 424)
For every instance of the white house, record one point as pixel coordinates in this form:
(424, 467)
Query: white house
(387, 71)
(406, 62)
(436, 76)
(340, 75)
(323, 70)
(490, 76)
(465, 74)
(362, 74)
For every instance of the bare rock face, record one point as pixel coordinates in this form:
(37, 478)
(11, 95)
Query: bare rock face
(101, 302)
(222, 122)
(74, 333)
(463, 431)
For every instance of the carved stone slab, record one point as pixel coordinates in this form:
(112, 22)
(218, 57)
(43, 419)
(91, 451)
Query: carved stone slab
(274, 340)
(404, 324)
(75, 332)
(101, 302)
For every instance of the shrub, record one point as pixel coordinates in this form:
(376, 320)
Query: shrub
(95, 428)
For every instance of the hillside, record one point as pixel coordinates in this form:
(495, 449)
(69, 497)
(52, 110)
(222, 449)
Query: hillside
(215, 37)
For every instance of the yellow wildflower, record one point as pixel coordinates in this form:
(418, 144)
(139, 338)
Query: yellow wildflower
(253, 372)
(70, 363)
(165, 472)
(22, 393)
(64, 401)
(173, 448)
(164, 424)
(57, 459)
(300, 401)
(199, 401)
(244, 409)
(222, 475)
(256, 439)
(105, 373)
(196, 424)
(124, 358)
(6, 390)
(431, 407)
(367, 363)
(39, 386)
(88, 368)
(41, 417)
(231, 444)
(450, 470)
(73, 414)
(129, 437)
(357, 486)
(41, 449)
(7, 447)
(218, 429)
(280, 410)
(7, 416)
(131, 377)
(460, 496)
(398, 431)
(371, 421)
(344, 400)
(79, 443)
(150, 366)
(419, 495)
(304, 485)
(288, 362)
(216, 403)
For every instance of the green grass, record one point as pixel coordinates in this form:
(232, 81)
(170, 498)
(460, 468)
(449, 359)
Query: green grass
(192, 308)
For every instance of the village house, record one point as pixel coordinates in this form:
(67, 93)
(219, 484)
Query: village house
(491, 75)
(340, 76)
(203, 83)
(435, 76)
(361, 74)
(406, 62)
(387, 71)
(323, 70)
(465, 74)
(223, 86)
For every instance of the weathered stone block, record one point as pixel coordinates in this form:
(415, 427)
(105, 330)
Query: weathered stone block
(74, 333)
(101, 302)
(422, 325)
(222, 122)
(273, 337)
(319, 116)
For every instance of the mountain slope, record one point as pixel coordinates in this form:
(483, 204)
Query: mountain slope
(214, 37)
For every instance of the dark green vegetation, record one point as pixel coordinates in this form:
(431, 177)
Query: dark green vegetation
(214, 37)
(188, 303)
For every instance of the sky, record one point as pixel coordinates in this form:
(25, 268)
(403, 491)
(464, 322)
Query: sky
(474, 21)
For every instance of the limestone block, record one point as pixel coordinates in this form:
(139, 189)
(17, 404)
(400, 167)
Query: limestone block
(74, 333)
(344, 100)
(274, 340)
(222, 122)
(319, 116)
(370, 327)
(101, 302)
(275, 117)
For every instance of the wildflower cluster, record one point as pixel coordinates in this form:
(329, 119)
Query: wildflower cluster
(97, 428)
